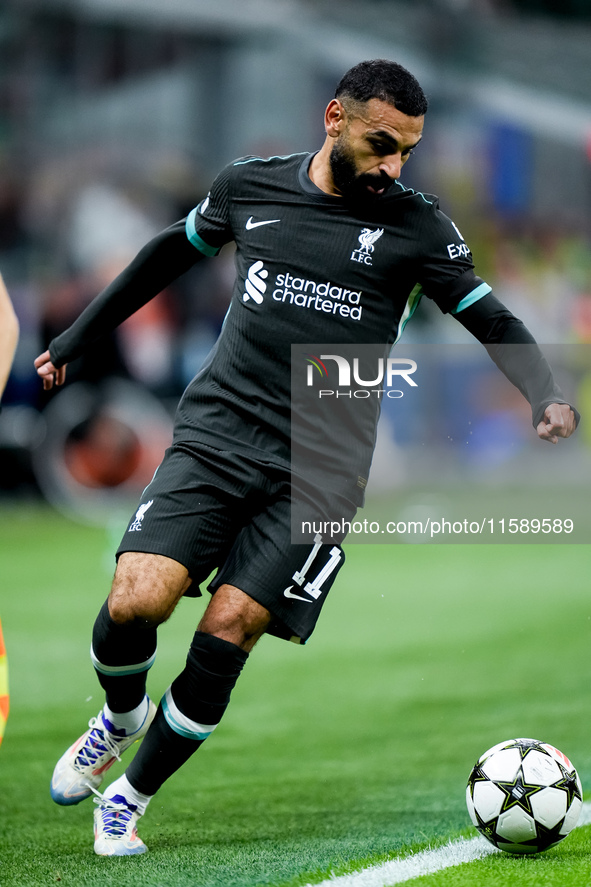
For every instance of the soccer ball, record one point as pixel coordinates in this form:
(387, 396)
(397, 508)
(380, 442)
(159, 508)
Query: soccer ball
(524, 796)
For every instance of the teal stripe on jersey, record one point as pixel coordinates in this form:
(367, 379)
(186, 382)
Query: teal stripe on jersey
(116, 671)
(409, 309)
(412, 191)
(267, 159)
(180, 723)
(195, 239)
(472, 297)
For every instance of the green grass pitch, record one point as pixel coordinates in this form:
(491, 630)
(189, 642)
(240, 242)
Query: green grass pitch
(351, 750)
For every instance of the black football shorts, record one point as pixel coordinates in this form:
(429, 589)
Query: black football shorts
(213, 510)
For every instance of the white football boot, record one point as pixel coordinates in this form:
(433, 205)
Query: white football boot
(115, 828)
(82, 768)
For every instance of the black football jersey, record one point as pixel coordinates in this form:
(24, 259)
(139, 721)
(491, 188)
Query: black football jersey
(310, 268)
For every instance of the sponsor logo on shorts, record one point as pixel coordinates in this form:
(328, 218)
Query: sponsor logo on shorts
(288, 593)
(314, 587)
(140, 514)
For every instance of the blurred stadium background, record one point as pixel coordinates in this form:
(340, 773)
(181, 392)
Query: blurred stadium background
(116, 114)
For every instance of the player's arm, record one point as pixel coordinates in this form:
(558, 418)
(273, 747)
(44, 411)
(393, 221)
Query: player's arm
(8, 334)
(501, 332)
(162, 260)
(172, 252)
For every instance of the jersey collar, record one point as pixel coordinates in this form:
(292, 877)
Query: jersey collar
(308, 185)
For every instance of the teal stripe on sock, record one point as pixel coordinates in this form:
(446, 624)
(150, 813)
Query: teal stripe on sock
(180, 723)
(122, 670)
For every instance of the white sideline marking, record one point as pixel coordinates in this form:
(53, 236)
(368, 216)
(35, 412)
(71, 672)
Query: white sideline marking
(395, 871)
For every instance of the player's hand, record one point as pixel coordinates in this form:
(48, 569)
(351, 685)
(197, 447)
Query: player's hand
(559, 421)
(49, 373)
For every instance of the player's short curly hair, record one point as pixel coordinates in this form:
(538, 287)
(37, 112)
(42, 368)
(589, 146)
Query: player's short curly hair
(384, 80)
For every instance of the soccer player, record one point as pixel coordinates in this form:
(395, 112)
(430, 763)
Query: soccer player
(331, 248)
(9, 330)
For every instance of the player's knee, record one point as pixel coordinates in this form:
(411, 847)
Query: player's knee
(128, 610)
(234, 616)
(134, 604)
(146, 590)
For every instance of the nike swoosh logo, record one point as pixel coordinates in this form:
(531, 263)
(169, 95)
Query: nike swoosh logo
(289, 593)
(250, 224)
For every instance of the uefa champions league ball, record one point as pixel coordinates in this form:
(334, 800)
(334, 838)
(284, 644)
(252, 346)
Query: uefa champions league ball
(524, 796)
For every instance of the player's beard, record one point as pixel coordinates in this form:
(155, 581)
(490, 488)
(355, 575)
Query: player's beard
(353, 185)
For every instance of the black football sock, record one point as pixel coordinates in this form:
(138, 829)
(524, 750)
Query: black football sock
(122, 655)
(189, 711)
